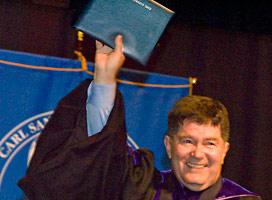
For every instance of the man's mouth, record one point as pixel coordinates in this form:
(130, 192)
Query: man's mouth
(196, 166)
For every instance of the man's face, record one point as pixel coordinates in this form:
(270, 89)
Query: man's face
(197, 153)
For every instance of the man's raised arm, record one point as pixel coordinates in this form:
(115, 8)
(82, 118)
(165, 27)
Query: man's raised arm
(102, 91)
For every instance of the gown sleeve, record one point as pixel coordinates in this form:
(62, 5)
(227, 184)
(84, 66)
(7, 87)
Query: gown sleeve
(67, 164)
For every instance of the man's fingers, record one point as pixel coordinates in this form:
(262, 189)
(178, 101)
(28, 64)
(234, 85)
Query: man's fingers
(101, 48)
(118, 45)
(98, 44)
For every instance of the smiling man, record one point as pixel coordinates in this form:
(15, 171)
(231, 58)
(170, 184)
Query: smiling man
(194, 142)
(82, 152)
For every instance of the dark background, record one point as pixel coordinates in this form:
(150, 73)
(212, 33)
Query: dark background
(226, 45)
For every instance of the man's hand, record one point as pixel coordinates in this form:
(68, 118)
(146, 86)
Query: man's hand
(108, 62)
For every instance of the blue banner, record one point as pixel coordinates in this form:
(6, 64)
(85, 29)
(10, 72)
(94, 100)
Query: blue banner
(31, 86)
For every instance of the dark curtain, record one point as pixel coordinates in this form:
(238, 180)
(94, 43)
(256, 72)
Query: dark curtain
(232, 66)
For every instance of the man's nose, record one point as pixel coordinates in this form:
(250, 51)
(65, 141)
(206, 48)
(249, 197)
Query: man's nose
(197, 151)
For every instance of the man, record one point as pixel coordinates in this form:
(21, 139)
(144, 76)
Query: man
(83, 154)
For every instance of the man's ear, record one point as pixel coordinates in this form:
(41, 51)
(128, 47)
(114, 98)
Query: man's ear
(226, 149)
(168, 145)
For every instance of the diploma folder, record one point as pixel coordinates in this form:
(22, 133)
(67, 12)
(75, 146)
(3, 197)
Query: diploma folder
(140, 22)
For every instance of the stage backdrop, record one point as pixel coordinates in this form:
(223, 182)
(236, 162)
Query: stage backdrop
(31, 86)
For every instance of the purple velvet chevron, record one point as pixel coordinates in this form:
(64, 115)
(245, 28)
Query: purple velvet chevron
(231, 189)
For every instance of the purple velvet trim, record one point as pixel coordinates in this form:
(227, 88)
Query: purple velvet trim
(231, 188)
(158, 193)
(165, 173)
(179, 191)
(157, 196)
(135, 154)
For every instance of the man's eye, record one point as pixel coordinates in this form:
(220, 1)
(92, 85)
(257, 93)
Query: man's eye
(186, 141)
(210, 143)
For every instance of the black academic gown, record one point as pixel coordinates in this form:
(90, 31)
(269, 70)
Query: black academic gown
(67, 164)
